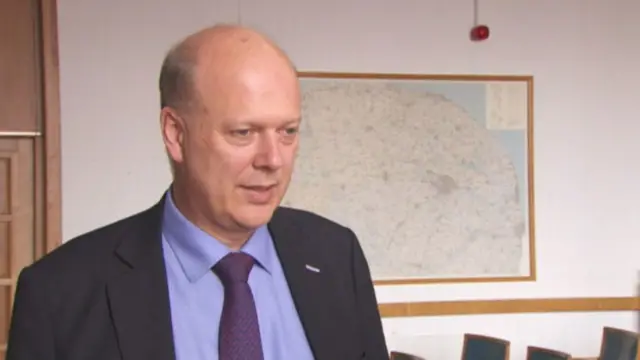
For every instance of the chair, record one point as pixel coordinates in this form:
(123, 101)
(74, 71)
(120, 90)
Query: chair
(539, 353)
(619, 344)
(397, 355)
(481, 347)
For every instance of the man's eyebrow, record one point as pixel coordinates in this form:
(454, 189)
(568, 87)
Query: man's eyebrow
(294, 121)
(258, 123)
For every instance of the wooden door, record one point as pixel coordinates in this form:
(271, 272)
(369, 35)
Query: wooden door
(16, 221)
(25, 102)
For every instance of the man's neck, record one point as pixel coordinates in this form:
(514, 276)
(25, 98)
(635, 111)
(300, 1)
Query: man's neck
(233, 239)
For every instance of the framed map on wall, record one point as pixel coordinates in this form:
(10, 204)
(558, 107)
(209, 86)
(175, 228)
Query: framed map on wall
(434, 173)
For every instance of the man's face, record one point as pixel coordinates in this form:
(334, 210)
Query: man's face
(239, 153)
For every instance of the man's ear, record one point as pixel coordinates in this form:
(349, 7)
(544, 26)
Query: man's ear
(173, 131)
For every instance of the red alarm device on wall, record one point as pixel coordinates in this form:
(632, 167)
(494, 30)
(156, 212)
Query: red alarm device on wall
(480, 33)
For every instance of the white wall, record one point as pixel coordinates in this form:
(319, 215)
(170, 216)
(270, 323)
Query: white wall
(583, 54)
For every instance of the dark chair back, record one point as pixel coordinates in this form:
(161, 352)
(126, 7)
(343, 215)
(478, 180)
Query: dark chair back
(482, 347)
(619, 344)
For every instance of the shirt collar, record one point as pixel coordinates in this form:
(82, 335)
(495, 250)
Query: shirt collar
(197, 252)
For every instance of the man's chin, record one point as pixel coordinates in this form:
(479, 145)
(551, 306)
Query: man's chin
(254, 216)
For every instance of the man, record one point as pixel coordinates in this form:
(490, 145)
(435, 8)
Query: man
(216, 269)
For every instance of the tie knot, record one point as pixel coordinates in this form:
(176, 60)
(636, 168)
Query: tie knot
(234, 267)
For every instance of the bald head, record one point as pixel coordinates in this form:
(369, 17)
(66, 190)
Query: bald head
(218, 56)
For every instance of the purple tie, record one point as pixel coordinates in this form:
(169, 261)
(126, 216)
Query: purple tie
(239, 334)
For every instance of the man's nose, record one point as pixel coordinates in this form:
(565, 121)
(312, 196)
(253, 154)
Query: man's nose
(269, 152)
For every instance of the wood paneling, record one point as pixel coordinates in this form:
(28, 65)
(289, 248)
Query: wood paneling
(19, 66)
(511, 306)
(48, 156)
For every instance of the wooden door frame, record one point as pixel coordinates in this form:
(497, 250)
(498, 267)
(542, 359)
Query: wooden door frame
(47, 147)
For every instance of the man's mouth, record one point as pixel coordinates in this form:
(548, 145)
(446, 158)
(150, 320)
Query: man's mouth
(259, 194)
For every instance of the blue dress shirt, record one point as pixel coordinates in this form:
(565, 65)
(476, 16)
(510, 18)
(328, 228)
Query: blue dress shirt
(196, 294)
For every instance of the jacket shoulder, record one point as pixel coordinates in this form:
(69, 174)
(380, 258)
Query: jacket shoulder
(81, 255)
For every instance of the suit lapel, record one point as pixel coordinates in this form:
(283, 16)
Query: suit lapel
(138, 293)
(309, 288)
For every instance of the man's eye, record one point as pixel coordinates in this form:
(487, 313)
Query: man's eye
(291, 131)
(242, 132)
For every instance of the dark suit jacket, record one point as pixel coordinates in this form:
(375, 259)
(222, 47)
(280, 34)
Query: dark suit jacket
(104, 295)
